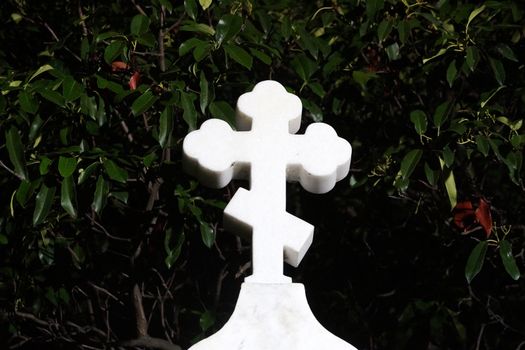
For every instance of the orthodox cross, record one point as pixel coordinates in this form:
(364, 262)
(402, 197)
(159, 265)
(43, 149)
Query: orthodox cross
(266, 151)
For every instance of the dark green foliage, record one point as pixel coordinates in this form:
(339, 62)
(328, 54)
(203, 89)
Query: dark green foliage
(96, 97)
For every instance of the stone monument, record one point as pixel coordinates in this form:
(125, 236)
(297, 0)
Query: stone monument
(271, 312)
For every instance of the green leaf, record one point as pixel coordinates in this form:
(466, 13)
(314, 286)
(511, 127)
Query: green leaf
(149, 159)
(35, 128)
(167, 4)
(472, 57)
(473, 15)
(143, 103)
(384, 29)
(313, 109)
(207, 320)
(304, 67)
(25, 191)
(205, 3)
(84, 48)
(165, 126)
(3, 239)
(28, 103)
(452, 71)
(45, 163)
(441, 52)
(16, 17)
(139, 25)
(205, 93)
(15, 149)
(190, 6)
(68, 196)
(189, 45)
(101, 195)
(42, 69)
(190, 114)
(44, 202)
(113, 50)
(86, 173)
(114, 171)
(506, 52)
(239, 55)
(431, 175)
(71, 90)
(172, 254)
(107, 84)
(66, 166)
(52, 96)
(490, 96)
(317, 89)
(121, 196)
(450, 185)
(483, 145)
(207, 234)
(419, 119)
(494, 145)
(199, 28)
(498, 69)
(362, 77)
(100, 115)
(403, 29)
(261, 56)
(88, 106)
(392, 52)
(107, 35)
(227, 28)
(222, 110)
(441, 114)
(448, 156)
(372, 6)
(201, 51)
(147, 39)
(409, 162)
(475, 260)
(505, 252)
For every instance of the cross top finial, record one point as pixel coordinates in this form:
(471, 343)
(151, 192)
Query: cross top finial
(269, 100)
(268, 154)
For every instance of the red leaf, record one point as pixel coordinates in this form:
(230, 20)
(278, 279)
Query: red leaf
(134, 81)
(464, 205)
(484, 216)
(464, 215)
(119, 66)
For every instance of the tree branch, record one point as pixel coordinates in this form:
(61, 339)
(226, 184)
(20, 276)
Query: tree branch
(31, 317)
(139, 8)
(149, 342)
(142, 323)
(9, 170)
(162, 58)
(82, 22)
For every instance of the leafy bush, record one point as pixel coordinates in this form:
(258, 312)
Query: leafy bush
(105, 242)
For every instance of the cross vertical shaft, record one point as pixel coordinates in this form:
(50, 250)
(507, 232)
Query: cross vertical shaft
(268, 185)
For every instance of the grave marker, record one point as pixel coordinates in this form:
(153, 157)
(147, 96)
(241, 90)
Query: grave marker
(272, 312)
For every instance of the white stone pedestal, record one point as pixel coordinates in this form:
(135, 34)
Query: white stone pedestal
(272, 317)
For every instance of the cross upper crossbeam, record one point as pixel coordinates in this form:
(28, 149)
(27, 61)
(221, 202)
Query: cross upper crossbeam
(266, 151)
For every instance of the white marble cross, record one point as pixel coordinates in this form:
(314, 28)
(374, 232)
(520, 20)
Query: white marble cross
(268, 153)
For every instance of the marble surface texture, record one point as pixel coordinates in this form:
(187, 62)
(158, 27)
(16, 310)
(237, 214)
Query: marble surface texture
(272, 317)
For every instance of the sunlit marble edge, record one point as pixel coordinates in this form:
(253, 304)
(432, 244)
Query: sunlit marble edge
(272, 316)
